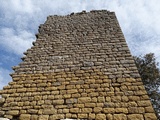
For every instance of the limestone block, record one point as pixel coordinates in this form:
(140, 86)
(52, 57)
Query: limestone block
(74, 110)
(97, 109)
(32, 111)
(91, 116)
(150, 116)
(71, 100)
(124, 99)
(79, 105)
(25, 117)
(133, 98)
(149, 109)
(2, 100)
(121, 110)
(65, 110)
(101, 99)
(71, 91)
(74, 116)
(2, 113)
(43, 117)
(119, 117)
(58, 102)
(140, 92)
(86, 110)
(77, 95)
(135, 117)
(51, 111)
(34, 117)
(91, 105)
(109, 117)
(84, 100)
(61, 106)
(67, 96)
(82, 116)
(108, 110)
(56, 117)
(100, 117)
(136, 110)
(20, 90)
(132, 104)
(13, 112)
(93, 94)
(68, 115)
(108, 99)
(144, 103)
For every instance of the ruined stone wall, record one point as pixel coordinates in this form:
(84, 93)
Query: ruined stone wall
(79, 67)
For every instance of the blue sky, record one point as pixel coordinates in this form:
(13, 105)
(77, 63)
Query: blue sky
(19, 21)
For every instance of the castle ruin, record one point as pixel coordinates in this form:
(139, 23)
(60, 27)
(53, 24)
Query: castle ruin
(79, 67)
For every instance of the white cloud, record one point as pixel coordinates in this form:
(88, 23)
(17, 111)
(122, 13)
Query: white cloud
(4, 77)
(15, 42)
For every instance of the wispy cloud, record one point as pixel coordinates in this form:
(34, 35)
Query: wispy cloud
(4, 77)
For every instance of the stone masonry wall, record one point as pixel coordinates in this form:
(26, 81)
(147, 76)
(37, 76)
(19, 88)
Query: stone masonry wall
(79, 67)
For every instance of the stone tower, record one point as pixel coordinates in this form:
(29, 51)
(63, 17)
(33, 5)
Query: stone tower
(80, 67)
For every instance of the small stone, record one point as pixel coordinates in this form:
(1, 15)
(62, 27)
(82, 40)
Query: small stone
(43, 117)
(82, 116)
(49, 111)
(144, 103)
(109, 117)
(149, 109)
(150, 116)
(86, 110)
(56, 117)
(25, 117)
(84, 100)
(135, 117)
(13, 112)
(121, 110)
(97, 109)
(119, 117)
(74, 110)
(2, 100)
(34, 117)
(100, 117)
(92, 116)
(108, 110)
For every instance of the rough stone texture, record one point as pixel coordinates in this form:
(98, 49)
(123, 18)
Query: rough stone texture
(79, 67)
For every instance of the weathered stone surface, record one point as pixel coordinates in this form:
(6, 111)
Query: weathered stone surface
(74, 110)
(100, 116)
(49, 111)
(2, 100)
(82, 116)
(79, 67)
(13, 112)
(92, 116)
(25, 117)
(34, 117)
(56, 117)
(119, 117)
(109, 117)
(150, 116)
(109, 110)
(84, 100)
(86, 110)
(97, 109)
(135, 117)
